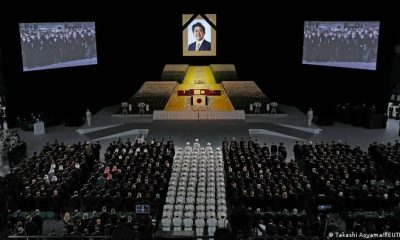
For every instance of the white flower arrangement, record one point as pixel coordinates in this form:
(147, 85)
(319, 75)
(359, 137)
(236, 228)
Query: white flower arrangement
(257, 104)
(274, 104)
(141, 105)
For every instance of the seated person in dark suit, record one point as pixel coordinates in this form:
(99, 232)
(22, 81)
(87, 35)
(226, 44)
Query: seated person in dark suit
(200, 44)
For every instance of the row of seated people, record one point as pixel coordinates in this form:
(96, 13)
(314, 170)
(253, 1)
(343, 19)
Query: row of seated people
(196, 192)
(257, 179)
(242, 89)
(30, 223)
(97, 223)
(133, 173)
(46, 180)
(173, 76)
(361, 197)
(251, 148)
(82, 223)
(347, 176)
(372, 222)
(152, 148)
(164, 88)
(387, 158)
(272, 224)
(224, 76)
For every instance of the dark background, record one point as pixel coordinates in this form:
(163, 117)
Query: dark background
(134, 43)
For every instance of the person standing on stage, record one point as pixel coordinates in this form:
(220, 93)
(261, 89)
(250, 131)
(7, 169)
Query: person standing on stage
(310, 116)
(88, 118)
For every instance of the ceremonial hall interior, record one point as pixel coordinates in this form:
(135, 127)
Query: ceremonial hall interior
(199, 120)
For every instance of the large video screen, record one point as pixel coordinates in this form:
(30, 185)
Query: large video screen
(341, 44)
(57, 45)
(199, 34)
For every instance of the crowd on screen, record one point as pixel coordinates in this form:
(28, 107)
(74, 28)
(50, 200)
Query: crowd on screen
(45, 46)
(332, 43)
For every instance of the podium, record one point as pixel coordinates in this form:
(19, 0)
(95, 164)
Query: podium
(38, 128)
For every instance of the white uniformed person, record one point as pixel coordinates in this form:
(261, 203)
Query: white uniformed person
(168, 207)
(221, 192)
(192, 179)
(190, 194)
(170, 200)
(178, 213)
(188, 148)
(191, 183)
(210, 208)
(222, 215)
(211, 183)
(222, 208)
(210, 214)
(210, 201)
(171, 191)
(201, 192)
(200, 208)
(191, 189)
(189, 214)
(211, 195)
(180, 200)
(166, 223)
(172, 183)
(211, 225)
(188, 224)
(200, 200)
(190, 201)
(199, 223)
(179, 207)
(196, 144)
(168, 214)
(211, 189)
(208, 148)
(177, 222)
(201, 184)
(181, 191)
(221, 202)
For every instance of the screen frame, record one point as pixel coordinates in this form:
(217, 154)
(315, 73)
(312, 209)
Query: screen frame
(49, 29)
(362, 64)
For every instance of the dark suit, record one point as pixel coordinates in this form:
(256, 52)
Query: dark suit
(205, 46)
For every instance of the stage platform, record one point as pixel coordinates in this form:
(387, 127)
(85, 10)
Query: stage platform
(291, 125)
(212, 88)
